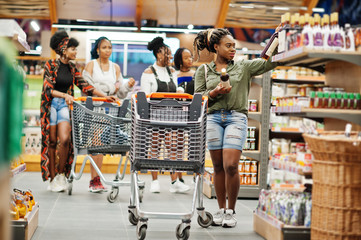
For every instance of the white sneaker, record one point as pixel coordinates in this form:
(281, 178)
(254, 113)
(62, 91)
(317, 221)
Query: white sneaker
(61, 180)
(218, 217)
(229, 220)
(54, 186)
(155, 186)
(179, 187)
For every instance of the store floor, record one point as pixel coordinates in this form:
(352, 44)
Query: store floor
(89, 216)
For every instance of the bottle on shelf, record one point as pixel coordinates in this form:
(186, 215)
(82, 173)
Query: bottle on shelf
(332, 100)
(358, 100)
(326, 32)
(225, 78)
(289, 35)
(306, 35)
(349, 38)
(285, 20)
(338, 38)
(317, 33)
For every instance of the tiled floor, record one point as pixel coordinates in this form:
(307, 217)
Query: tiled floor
(88, 216)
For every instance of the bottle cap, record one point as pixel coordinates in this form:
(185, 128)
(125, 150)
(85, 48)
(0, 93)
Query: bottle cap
(223, 71)
(326, 19)
(287, 17)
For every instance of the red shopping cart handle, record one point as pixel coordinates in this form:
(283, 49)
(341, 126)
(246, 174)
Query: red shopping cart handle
(96, 99)
(172, 95)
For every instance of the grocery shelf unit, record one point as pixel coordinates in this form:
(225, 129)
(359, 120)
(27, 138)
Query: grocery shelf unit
(261, 154)
(342, 69)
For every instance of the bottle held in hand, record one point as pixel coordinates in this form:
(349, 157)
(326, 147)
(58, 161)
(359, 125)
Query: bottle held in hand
(225, 79)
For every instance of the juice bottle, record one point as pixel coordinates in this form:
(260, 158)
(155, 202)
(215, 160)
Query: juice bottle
(225, 78)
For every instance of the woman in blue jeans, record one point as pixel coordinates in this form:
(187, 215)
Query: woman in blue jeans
(227, 114)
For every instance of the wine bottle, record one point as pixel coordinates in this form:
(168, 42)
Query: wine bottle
(225, 78)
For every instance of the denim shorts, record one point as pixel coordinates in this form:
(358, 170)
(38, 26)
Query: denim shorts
(59, 111)
(226, 129)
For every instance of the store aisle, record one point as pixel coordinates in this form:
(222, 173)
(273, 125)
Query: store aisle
(89, 216)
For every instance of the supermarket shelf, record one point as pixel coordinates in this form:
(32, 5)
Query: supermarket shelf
(293, 135)
(287, 167)
(245, 191)
(315, 59)
(271, 228)
(353, 116)
(255, 116)
(38, 77)
(306, 80)
(19, 169)
(288, 187)
(252, 154)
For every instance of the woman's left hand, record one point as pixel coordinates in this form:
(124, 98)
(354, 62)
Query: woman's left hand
(131, 82)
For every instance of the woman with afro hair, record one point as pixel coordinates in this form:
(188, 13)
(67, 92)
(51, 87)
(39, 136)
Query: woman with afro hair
(60, 76)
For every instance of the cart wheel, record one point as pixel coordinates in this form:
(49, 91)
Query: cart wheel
(206, 223)
(142, 232)
(184, 235)
(132, 218)
(113, 195)
(70, 189)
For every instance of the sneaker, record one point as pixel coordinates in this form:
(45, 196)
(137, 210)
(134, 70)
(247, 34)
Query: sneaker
(155, 186)
(100, 185)
(218, 217)
(54, 186)
(178, 187)
(229, 220)
(94, 187)
(61, 181)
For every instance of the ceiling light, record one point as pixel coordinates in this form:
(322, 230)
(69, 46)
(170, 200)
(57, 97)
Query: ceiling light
(91, 27)
(320, 10)
(245, 6)
(83, 20)
(281, 8)
(158, 29)
(190, 26)
(35, 25)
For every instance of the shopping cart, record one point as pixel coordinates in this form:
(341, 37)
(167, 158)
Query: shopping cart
(168, 134)
(102, 128)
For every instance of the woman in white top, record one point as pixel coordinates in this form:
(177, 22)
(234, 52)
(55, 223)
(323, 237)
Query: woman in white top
(106, 77)
(159, 77)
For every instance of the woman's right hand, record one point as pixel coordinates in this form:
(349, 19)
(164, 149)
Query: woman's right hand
(220, 90)
(68, 99)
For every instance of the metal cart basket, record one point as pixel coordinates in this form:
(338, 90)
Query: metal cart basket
(168, 134)
(102, 128)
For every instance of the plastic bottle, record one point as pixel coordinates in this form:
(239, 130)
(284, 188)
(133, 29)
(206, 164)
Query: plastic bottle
(339, 100)
(325, 100)
(317, 33)
(270, 47)
(312, 99)
(326, 32)
(225, 78)
(358, 100)
(349, 38)
(344, 101)
(338, 41)
(306, 35)
(332, 100)
(289, 37)
(351, 101)
(283, 33)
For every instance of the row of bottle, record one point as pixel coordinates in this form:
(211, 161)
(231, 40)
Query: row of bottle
(335, 100)
(313, 33)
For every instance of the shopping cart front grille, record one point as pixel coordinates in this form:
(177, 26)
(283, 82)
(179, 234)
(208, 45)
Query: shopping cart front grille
(98, 132)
